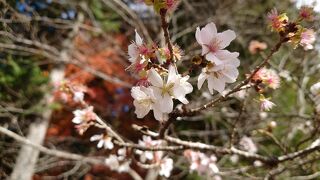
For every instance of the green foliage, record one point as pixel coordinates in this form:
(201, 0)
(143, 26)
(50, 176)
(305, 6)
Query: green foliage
(20, 79)
(108, 19)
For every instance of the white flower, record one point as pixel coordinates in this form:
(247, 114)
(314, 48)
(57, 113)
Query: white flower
(149, 155)
(266, 104)
(269, 77)
(133, 49)
(213, 43)
(144, 101)
(308, 37)
(117, 163)
(218, 75)
(84, 115)
(201, 163)
(166, 167)
(112, 162)
(248, 145)
(175, 87)
(104, 141)
(78, 96)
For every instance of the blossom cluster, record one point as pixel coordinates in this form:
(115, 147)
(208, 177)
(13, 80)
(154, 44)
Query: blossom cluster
(160, 87)
(202, 163)
(164, 163)
(119, 162)
(294, 32)
(222, 64)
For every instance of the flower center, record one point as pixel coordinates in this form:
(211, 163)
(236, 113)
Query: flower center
(145, 102)
(214, 45)
(167, 89)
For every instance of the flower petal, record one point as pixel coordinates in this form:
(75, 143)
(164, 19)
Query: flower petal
(216, 84)
(202, 77)
(155, 78)
(139, 40)
(225, 38)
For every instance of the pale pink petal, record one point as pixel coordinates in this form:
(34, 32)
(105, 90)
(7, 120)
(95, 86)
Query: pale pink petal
(213, 58)
(230, 74)
(216, 84)
(225, 38)
(133, 52)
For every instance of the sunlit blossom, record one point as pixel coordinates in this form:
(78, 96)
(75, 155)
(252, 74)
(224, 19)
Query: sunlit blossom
(175, 86)
(218, 75)
(84, 115)
(308, 37)
(213, 43)
(202, 163)
(103, 141)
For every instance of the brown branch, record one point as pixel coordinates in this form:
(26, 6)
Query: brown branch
(272, 161)
(165, 25)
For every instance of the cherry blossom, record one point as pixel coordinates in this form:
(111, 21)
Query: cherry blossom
(218, 75)
(104, 141)
(213, 43)
(247, 144)
(149, 155)
(269, 77)
(144, 101)
(256, 46)
(84, 115)
(166, 167)
(266, 104)
(113, 162)
(78, 96)
(201, 163)
(307, 39)
(175, 86)
(134, 48)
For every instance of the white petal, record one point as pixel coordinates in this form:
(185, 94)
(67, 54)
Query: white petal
(225, 38)
(140, 110)
(100, 143)
(136, 93)
(108, 145)
(133, 52)
(198, 36)
(96, 137)
(166, 103)
(139, 40)
(172, 74)
(216, 84)
(160, 116)
(202, 77)
(155, 78)
(213, 58)
(77, 120)
(230, 74)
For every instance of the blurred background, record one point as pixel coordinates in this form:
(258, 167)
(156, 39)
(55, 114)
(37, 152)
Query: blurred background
(43, 42)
